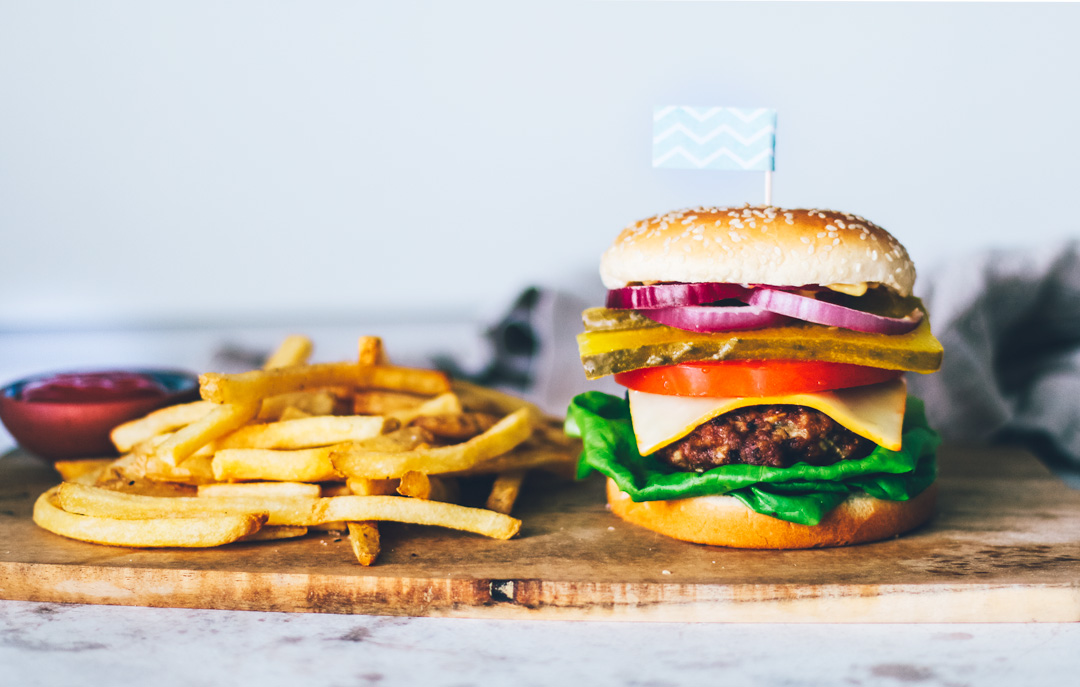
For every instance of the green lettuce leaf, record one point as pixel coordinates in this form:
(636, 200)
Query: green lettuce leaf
(801, 493)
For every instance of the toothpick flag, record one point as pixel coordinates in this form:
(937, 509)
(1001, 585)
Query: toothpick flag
(716, 138)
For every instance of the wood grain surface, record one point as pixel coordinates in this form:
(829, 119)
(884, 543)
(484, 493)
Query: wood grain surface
(1004, 547)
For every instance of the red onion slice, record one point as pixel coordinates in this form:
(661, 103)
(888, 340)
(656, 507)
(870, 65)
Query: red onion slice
(672, 295)
(830, 314)
(711, 318)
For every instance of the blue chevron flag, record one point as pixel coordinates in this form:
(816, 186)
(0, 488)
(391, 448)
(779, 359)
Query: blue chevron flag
(714, 138)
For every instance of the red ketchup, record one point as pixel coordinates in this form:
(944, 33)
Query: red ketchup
(92, 387)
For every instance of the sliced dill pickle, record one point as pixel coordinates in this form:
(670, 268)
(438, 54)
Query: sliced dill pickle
(608, 319)
(617, 343)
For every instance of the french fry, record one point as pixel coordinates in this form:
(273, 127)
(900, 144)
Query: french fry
(313, 402)
(93, 501)
(128, 473)
(294, 413)
(162, 531)
(443, 404)
(307, 432)
(247, 387)
(259, 489)
(126, 436)
(83, 470)
(556, 460)
(370, 351)
(382, 402)
(294, 350)
(217, 423)
(301, 465)
(421, 486)
(361, 486)
(358, 460)
(197, 469)
(456, 427)
(479, 398)
(505, 490)
(273, 532)
(364, 538)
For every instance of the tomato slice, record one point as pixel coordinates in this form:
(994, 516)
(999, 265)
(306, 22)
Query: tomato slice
(728, 378)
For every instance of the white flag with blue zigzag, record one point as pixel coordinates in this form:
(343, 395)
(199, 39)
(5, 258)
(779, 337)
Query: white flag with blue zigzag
(714, 138)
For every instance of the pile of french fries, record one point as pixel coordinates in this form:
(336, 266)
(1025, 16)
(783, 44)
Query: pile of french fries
(272, 453)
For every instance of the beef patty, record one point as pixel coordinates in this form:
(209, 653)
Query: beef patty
(777, 436)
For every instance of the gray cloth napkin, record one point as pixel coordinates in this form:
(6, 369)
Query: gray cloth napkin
(1010, 324)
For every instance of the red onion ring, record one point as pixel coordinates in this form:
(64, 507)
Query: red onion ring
(672, 295)
(830, 314)
(711, 318)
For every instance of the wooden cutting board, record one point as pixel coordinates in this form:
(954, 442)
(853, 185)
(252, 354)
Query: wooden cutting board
(1004, 547)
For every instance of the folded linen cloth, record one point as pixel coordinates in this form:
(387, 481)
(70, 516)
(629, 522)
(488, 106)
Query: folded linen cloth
(1010, 324)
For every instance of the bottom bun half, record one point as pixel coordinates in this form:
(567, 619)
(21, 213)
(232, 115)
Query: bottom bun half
(725, 521)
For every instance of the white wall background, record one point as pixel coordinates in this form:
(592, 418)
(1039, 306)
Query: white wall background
(180, 162)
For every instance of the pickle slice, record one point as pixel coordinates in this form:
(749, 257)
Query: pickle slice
(622, 340)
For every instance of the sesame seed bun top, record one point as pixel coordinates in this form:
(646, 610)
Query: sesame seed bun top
(757, 245)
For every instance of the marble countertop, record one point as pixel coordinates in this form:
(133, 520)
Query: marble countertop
(55, 644)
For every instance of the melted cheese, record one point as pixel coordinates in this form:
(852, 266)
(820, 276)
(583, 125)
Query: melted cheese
(875, 412)
(856, 289)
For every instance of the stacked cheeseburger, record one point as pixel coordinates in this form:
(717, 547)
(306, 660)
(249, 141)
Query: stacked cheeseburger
(764, 353)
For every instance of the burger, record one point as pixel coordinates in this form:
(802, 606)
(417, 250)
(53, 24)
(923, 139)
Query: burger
(764, 354)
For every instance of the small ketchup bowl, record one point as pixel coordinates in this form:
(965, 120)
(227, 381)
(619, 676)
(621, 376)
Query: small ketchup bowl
(70, 414)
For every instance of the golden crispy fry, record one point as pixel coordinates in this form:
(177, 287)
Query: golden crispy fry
(294, 413)
(482, 399)
(272, 532)
(302, 465)
(205, 531)
(443, 404)
(126, 436)
(128, 473)
(219, 422)
(314, 402)
(382, 402)
(364, 537)
(304, 433)
(77, 498)
(258, 489)
(403, 439)
(361, 460)
(294, 350)
(526, 456)
(421, 486)
(370, 351)
(505, 490)
(372, 487)
(197, 469)
(84, 470)
(456, 427)
(247, 387)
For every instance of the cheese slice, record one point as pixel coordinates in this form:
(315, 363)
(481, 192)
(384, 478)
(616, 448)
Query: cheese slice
(875, 412)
